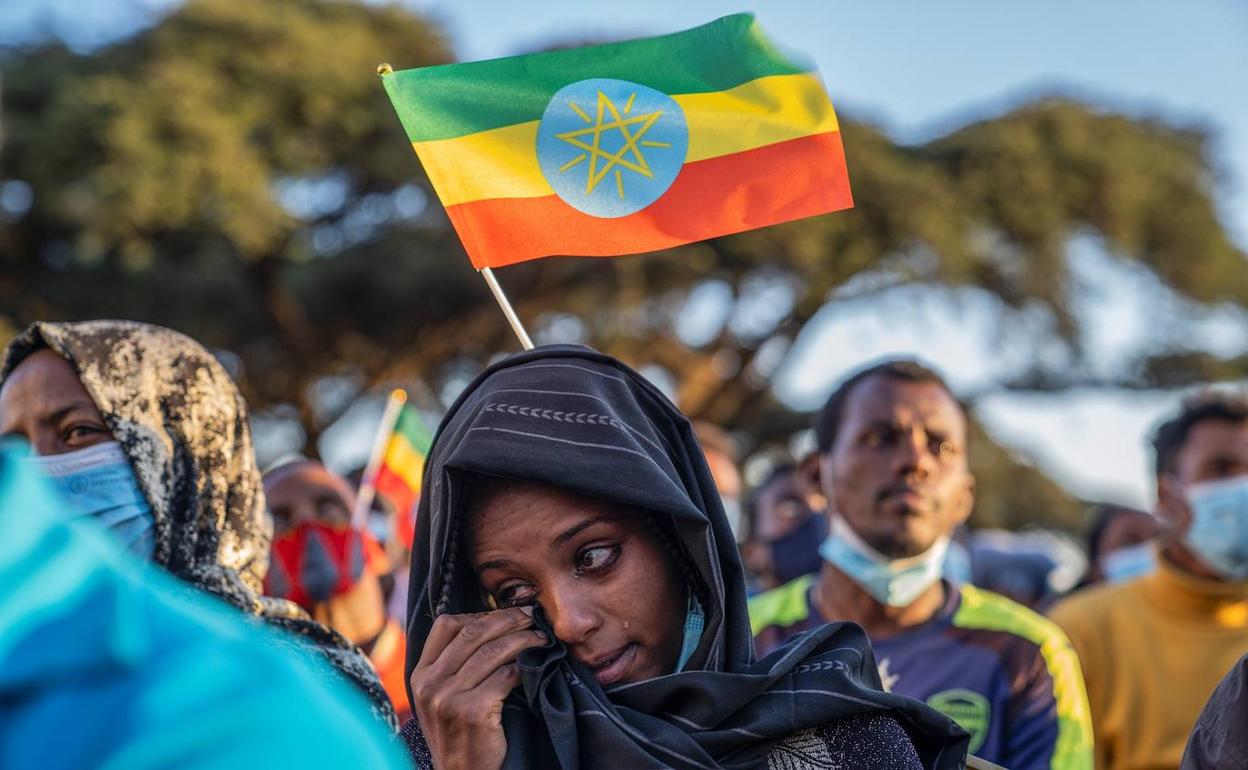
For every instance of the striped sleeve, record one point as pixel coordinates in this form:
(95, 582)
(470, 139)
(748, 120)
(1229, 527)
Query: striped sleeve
(1050, 698)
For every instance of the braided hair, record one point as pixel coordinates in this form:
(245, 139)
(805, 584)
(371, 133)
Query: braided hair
(666, 533)
(450, 562)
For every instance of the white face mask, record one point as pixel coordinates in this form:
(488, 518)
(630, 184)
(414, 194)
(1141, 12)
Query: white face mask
(1219, 530)
(98, 483)
(895, 582)
(1123, 564)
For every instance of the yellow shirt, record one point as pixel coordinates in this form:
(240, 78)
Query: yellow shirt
(1152, 650)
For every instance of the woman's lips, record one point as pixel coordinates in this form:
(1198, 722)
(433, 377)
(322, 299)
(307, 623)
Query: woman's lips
(613, 668)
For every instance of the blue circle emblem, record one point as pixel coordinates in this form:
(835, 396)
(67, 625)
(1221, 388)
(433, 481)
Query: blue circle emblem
(609, 147)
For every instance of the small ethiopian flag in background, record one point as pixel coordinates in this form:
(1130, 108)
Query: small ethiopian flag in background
(398, 477)
(624, 148)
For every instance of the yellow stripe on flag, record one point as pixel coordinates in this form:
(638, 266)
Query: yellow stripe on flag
(406, 462)
(502, 162)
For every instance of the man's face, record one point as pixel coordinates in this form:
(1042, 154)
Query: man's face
(1215, 449)
(898, 471)
(779, 508)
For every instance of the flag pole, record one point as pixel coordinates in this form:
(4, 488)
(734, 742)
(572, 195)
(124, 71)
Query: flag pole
(368, 482)
(501, 298)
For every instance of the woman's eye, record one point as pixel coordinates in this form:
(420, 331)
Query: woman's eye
(516, 596)
(80, 432)
(596, 558)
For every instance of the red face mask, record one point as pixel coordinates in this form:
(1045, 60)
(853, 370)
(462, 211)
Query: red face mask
(315, 562)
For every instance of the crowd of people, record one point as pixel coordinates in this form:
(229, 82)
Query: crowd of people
(591, 584)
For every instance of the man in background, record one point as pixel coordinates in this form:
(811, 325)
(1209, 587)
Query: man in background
(892, 443)
(331, 568)
(1121, 544)
(1154, 648)
(785, 525)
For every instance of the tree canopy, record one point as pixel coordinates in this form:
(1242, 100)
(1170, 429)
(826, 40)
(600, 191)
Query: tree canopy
(236, 172)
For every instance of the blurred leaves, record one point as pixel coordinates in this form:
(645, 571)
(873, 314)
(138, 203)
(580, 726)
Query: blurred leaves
(236, 172)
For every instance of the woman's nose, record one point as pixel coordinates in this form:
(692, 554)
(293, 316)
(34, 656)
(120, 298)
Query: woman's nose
(573, 615)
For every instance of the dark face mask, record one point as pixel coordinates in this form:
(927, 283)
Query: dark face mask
(797, 553)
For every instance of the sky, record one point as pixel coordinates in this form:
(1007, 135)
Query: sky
(919, 68)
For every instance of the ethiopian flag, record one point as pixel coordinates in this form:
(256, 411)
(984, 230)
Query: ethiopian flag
(624, 148)
(402, 466)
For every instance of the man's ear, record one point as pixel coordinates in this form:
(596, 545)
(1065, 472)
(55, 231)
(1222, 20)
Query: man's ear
(1172, 507)
(811, 477)
(967, 503)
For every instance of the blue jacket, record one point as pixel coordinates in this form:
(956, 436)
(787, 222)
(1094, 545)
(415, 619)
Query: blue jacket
(108, 663)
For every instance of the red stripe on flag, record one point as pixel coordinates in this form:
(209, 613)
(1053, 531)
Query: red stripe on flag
(764, 186)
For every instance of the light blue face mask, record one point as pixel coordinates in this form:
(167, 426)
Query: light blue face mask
(1219, 531)
(957, 567)
(98, 482)
(895, 582)
(695, 623)
(1129, 563)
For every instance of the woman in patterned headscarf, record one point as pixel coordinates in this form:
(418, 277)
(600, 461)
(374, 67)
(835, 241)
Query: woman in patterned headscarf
(95, 397)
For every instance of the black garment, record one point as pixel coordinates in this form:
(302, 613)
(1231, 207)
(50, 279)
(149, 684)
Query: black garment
(877, 742)
(183, 426)
(573, 418)
(1220, 739)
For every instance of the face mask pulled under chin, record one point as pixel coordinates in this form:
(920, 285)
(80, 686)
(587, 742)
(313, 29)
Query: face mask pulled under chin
(98, 483)
(895, 582)
(1219, 530)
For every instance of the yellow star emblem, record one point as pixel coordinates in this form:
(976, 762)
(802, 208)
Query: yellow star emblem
(619, 120)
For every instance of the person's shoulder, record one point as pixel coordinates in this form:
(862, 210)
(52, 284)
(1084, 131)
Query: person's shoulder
(1090, 605)
(983, 610)
(1039, 659)
(781, 607)
(1218, 739)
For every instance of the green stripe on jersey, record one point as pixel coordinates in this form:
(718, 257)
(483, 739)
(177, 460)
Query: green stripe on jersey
(781, 606)
(987, 611)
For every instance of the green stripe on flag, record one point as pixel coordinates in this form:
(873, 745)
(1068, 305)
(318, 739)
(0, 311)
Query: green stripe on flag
(457, 99)
(412, 428)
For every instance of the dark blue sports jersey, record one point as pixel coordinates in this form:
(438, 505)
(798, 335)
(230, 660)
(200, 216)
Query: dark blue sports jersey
(1002, 672)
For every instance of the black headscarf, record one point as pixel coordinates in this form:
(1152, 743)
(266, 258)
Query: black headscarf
(573, 418)
(182, 424)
